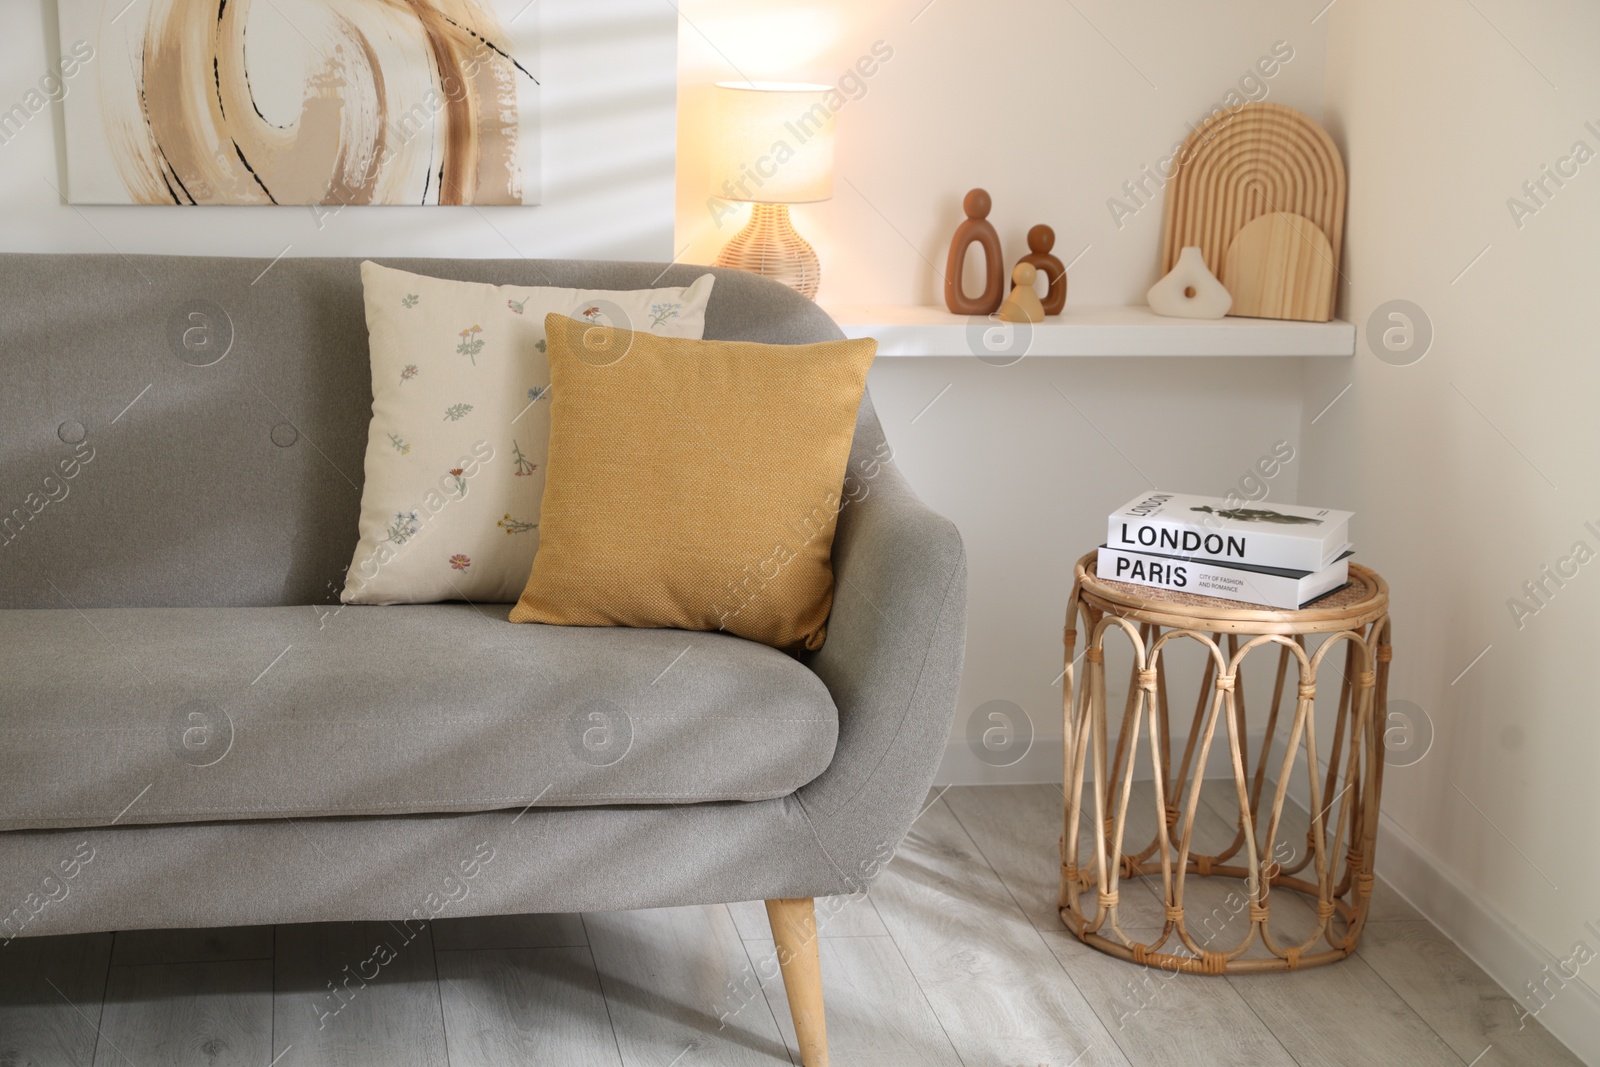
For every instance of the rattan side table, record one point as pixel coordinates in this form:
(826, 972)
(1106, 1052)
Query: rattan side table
(1334, 869)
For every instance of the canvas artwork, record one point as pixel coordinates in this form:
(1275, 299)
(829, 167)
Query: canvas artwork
(302, 101)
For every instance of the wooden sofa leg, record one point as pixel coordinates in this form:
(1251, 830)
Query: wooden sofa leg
(794, 929)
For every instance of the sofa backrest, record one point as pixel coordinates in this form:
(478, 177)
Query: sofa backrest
(190, 431)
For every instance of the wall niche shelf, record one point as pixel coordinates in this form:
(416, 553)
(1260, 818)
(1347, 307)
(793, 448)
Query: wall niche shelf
(1098, 331)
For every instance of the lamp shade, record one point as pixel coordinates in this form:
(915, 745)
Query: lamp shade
(773, 143)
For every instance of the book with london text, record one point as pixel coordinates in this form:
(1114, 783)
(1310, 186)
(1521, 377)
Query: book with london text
(1273, 587)
(1252, 534)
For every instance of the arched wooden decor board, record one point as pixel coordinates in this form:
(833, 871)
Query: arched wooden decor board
(1240, 165)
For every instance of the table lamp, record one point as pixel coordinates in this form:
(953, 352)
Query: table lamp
(773, 147)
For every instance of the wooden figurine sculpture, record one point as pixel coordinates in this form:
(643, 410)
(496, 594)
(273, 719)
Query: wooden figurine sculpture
(975, 229)
(1041, 239)
(1023, 304)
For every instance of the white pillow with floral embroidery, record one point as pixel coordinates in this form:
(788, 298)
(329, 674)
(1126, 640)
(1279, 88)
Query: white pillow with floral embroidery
(461, 426)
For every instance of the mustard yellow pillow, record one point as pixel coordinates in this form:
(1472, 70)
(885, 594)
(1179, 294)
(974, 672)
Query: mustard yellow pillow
(693, 484)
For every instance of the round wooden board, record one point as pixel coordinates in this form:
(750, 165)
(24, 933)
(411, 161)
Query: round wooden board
(1280, 266)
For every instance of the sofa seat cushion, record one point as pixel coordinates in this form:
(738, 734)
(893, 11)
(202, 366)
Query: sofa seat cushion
(164, 715)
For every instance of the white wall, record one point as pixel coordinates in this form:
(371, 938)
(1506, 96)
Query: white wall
(608, 103)
(1475, 467)
(1048, 110)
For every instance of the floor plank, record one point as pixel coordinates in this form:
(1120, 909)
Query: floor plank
(988, 974)
(1164, 1019)
(846, 916)
(1387, 904)
(509, 931)
(1342, 1014)
(1455, 997)
(1012, 826)
(957, 958)
(1016, 827)
(193, 946)
(681, 989)
(876, 1013)
(511, 1007)
(1217, 907)
(50, 994)
(181, 1014)
(1017, 830)
(358, 994)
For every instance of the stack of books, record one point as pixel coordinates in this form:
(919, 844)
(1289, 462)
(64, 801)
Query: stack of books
(1278, 555)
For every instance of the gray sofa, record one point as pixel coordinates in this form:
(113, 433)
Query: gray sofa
(196, 734)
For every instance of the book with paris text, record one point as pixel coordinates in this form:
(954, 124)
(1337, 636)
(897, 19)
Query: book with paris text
(1273, 587)
(1231, 532)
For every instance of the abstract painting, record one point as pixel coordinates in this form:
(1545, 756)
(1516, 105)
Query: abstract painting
(303, 102)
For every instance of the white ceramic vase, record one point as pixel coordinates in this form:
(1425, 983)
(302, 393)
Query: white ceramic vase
(1189, 290)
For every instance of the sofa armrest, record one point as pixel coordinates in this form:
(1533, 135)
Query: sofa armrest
(892, 659)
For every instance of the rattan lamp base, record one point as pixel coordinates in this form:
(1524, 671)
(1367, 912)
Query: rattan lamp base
(770, 246)
(1330, 867)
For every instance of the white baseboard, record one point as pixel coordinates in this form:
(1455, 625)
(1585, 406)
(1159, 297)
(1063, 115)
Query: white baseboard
(1042, 762)
(1491, 940)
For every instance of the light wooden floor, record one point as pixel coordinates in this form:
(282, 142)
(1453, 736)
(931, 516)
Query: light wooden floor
(956, 958)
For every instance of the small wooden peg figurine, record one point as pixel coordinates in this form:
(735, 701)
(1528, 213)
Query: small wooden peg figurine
(1023, 304)
(1041, 239)
(975, 229)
